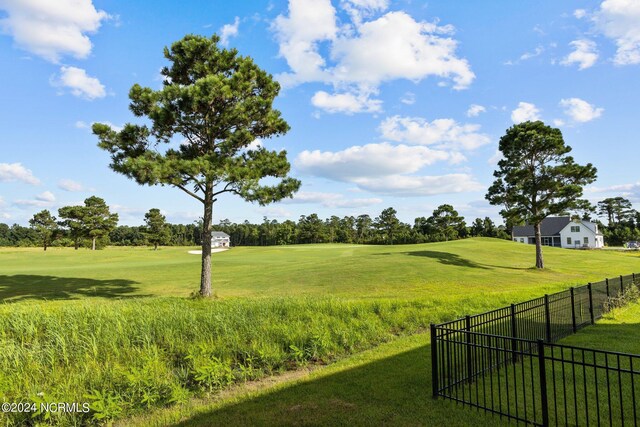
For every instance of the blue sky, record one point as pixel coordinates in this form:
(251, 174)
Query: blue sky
(390, 103)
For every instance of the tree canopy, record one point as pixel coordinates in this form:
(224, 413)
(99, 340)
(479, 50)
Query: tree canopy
(536, 177)
(218, 103)
(156, 228)
(46, 226)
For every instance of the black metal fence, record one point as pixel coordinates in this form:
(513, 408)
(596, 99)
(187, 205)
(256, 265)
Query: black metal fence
(505, 361)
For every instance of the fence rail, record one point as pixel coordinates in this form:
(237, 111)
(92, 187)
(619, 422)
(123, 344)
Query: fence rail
(506, 362)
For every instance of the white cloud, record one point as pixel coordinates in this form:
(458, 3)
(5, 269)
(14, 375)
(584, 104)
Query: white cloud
(51, 29)
(441, 133)
(629, 191)
(403, 185)
(309, 22)
(579, 13)
(362, 55)
(395, 46)
(558, 122)
(580, 110)
(475, 110)
(525, 112)
(619, 20)
(229, 30)
(46, 196)
(369, 160)
(332, 200)
(409, 98)
(359, 9)
(348, 103)
(70, 185)
(80, 84)
(10, 172)
(584, 54)
(528, 55)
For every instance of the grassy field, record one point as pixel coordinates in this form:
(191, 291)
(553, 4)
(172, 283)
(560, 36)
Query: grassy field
(390, 385)
(128, 344)
(448, 270)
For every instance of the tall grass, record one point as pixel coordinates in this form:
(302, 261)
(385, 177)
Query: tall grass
(125, 356)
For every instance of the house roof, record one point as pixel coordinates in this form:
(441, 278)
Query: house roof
(219, 234)
(550, 226)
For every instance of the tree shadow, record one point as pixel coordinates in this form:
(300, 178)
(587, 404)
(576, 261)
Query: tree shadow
(21, 287)
(447, 259)
(391, 391)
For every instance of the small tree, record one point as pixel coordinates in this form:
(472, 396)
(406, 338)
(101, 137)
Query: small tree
(448, 222)
(97, 221)
(71, 219)
(536, 177)
(219, 102)
(91, 221)
(388, 224)
(45, 225)
(156, 228)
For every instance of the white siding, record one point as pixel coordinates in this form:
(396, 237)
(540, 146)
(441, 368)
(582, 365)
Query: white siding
(586, 231)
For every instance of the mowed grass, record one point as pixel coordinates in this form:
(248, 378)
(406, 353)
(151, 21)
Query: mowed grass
(128, 345)
(447, 270)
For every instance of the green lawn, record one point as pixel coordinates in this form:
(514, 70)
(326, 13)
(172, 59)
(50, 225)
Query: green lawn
(448, 270)
(133, 337)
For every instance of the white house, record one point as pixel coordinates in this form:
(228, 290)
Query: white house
(562, 232)
(220, 239)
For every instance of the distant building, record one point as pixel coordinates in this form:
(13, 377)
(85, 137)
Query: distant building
(220, 239)
(561, 232)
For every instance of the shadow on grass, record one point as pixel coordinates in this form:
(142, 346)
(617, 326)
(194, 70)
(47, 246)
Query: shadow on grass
(447, 259)
(21, 287)
(392, 391)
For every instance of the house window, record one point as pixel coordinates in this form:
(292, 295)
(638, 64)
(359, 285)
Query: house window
(575, 228)
(586, 240)
(568, 240)
(522, 240)
(515, 239)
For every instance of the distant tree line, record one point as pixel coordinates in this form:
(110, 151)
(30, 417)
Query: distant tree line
(444, 224)
(93, 226)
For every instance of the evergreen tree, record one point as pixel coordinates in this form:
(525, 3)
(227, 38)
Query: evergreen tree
(219, 102)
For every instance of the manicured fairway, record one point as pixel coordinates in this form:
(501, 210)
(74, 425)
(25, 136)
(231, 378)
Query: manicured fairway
(443, 270)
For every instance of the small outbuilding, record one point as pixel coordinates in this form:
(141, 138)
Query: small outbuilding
(220, 239)
(561, 232)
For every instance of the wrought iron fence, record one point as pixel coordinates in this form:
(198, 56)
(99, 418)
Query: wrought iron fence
(505, 361)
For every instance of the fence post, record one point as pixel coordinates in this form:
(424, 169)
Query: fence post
(621, 285)
(514, 334)
(434, 362)
(590, 303)
(607, 282)
(573, 310)
(547, 318)
(543, 384)
(467, 323)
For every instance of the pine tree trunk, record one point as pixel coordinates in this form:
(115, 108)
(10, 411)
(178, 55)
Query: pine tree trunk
(539, 260)
(45, 245)
(93, 244)
(155, 247)
(205, 278)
